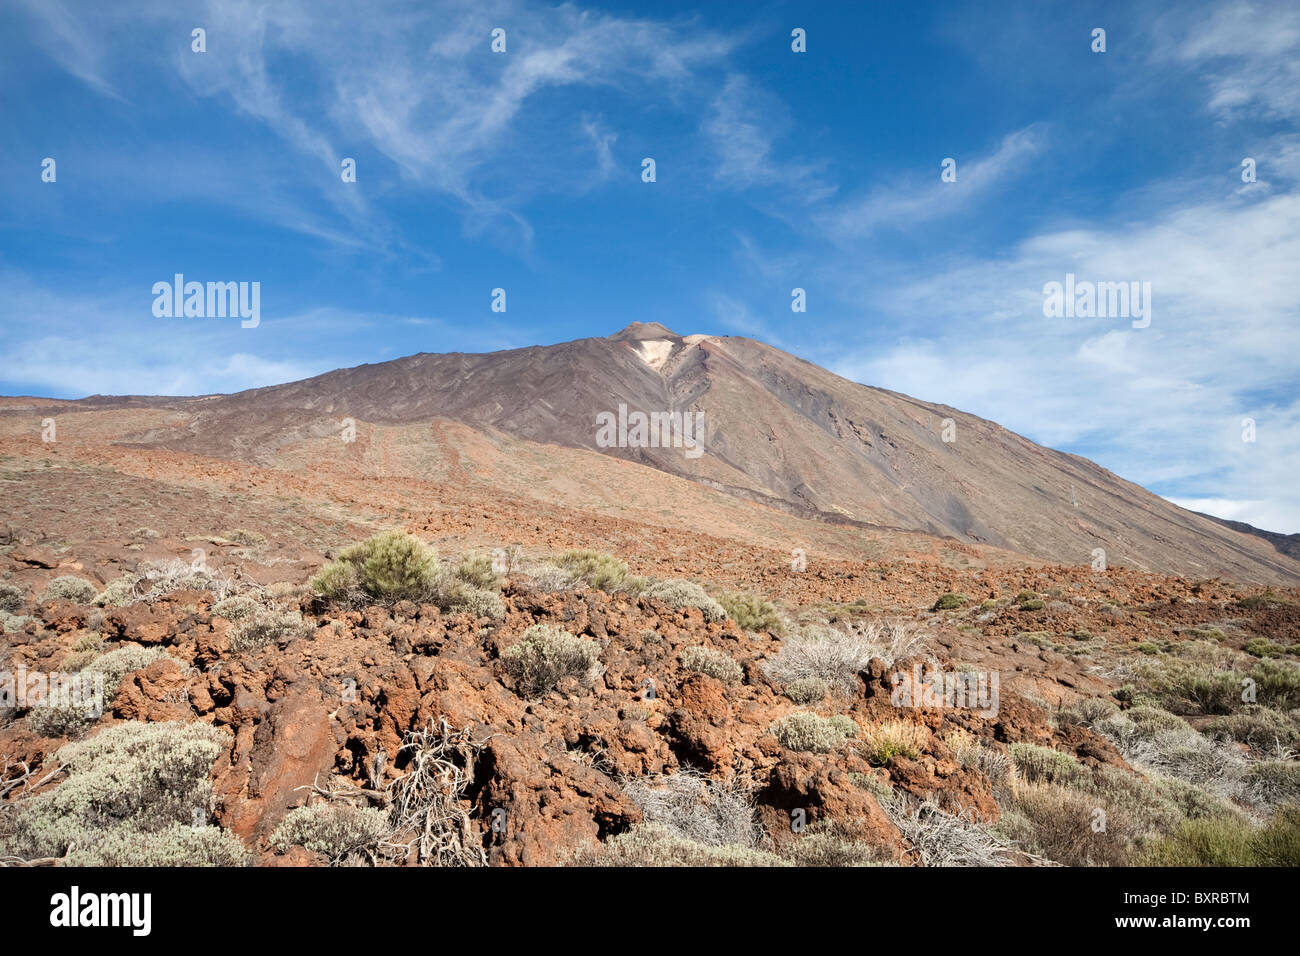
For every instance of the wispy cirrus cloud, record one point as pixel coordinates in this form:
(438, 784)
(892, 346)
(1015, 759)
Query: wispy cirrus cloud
(924, 200)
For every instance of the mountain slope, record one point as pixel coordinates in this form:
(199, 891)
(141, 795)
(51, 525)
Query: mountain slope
(776, 429)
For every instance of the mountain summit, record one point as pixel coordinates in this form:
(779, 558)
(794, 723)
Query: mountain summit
(774, 429)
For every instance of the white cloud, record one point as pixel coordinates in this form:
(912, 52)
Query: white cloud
(1248, 53)
(742, 124)
(1162, 406)
(897, 205)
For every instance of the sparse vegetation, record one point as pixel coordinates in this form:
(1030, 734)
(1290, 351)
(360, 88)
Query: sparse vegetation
(973, 751)
(603, 571)
(693, 807)
(68, 587)
(335, 830)
(950, 601)
(267, 626)
(1262, 728)
(426, 811)
(546, 654)
(894, 738)
(826, 843)
(944, 839)
(807, 690)
(249, 539)
(751, 612)
(679, 593)
(809, 732)
(477, 571)
(12, 597)
(392, 566)
(714, 663)
(834, 656)
(651, 845)
(1274, 782)
(129, 780)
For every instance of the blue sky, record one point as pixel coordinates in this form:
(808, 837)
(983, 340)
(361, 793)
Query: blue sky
(775, 170)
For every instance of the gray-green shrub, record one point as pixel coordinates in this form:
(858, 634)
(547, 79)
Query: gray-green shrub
(679, 593)
(68, 587)
(714, 663)
(545, 654)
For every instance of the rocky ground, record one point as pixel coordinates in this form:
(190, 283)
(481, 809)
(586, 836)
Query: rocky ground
(326, 710)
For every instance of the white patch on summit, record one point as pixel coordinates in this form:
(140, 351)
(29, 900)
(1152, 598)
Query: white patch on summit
(654, 352)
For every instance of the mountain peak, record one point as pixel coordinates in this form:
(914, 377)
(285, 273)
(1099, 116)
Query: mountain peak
(639, 331)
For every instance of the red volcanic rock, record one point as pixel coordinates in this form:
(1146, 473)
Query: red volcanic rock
(825, 794)
(541, 806)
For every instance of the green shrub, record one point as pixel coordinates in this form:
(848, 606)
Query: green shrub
(679, 593)
(844, 724)
(1227, 842)
(85, 650)
(751, 612)
(806, 731)
(602, 571)
(1032, 605)
(1278, 842)
(714, 663)
(1277, 683)
(1263, 647)
(1087, 711)
(1037, 764)
(268, 626)
(68, 587)
(389, 567)
(1026, 595)
(1191, 687)
(137, 776)
(337, 581)
(12, 597)
(1263, 728)
(477, 571)
(894, 738)
(547, 653)
(334, 830)
(949, 601)
(806, 690)
(635, 585)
